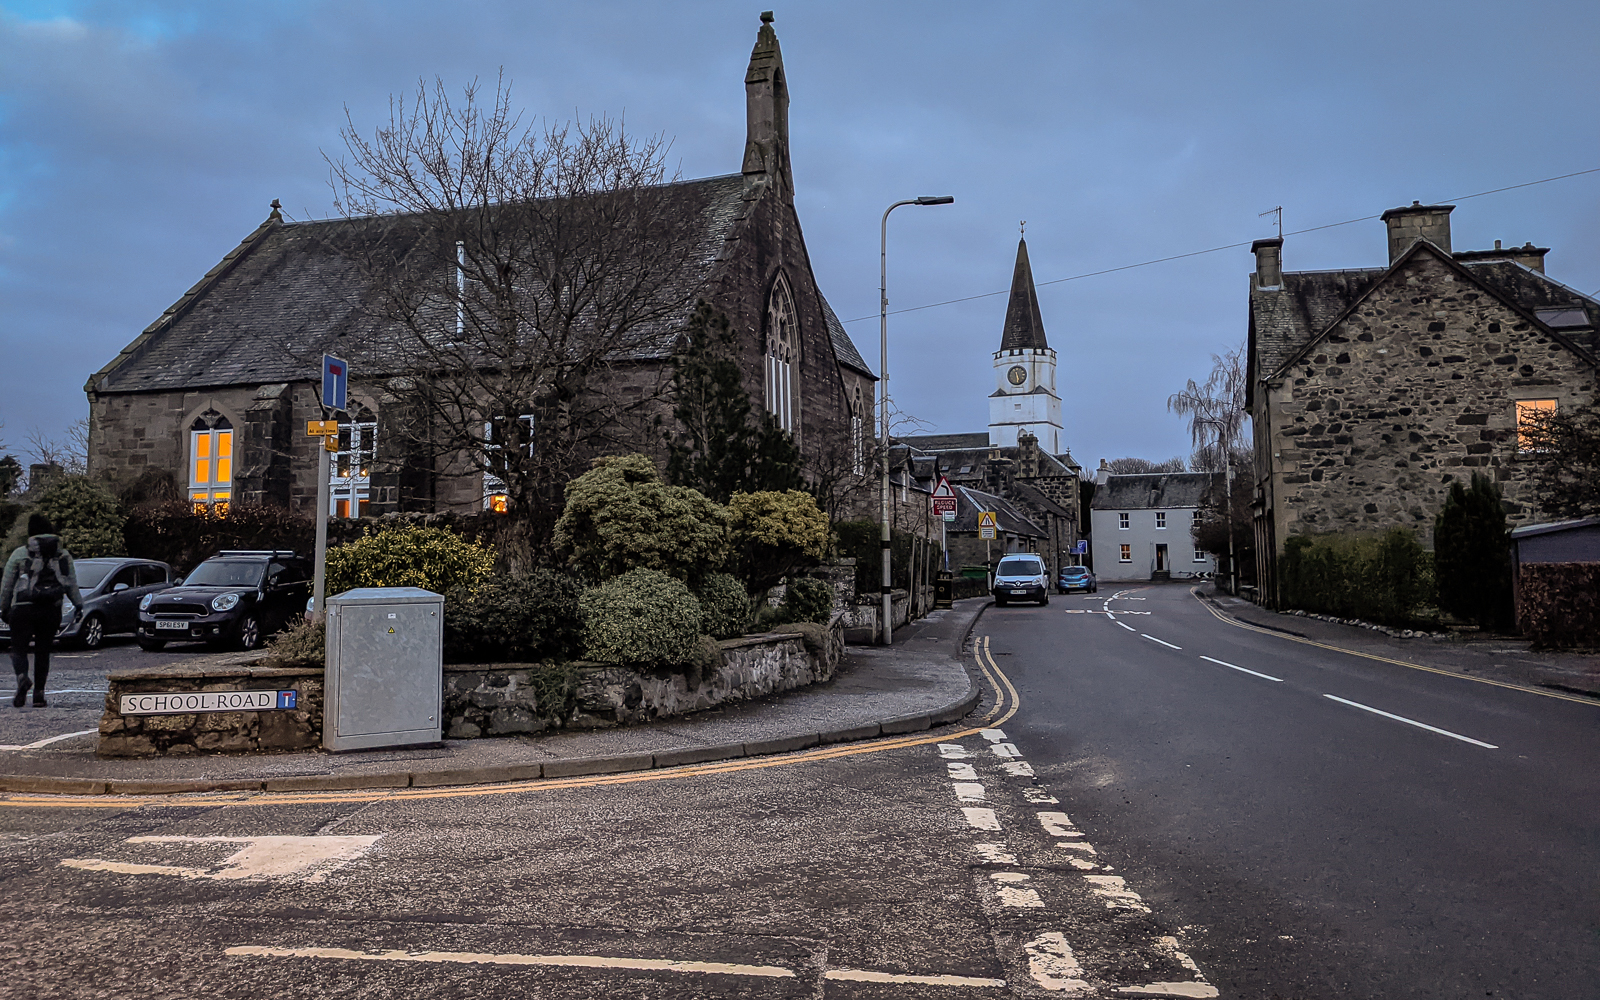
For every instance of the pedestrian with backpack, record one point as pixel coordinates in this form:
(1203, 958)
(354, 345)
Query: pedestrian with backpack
(37, 576)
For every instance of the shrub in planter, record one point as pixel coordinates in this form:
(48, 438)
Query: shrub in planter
(620, 516)
(431, 558)
(725, 605)
(776, 533)
(519, 619)
(643, 616)
(808, 600)
(303, 644)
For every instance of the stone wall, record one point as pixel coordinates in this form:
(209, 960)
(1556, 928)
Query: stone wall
(1414, 390)
(479, 700)
(500, 699)
(212, 732)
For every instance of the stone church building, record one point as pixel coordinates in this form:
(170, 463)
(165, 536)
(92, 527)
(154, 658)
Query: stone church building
(217, 391)
(1373, 389)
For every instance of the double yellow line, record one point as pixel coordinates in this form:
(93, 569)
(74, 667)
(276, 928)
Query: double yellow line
(1006, 701)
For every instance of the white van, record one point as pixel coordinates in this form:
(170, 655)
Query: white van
(1021, 577)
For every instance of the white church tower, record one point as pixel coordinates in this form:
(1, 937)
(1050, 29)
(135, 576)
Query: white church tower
(1025, 370)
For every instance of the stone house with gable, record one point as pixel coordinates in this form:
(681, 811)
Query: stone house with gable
(1373, 389)
(218, 390)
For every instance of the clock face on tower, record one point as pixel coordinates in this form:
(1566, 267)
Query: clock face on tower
(1017, 375)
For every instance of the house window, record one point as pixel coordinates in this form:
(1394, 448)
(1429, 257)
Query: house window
(495, 496)
(350, 472)
(782, 353)
(1528, 412)
(1161, 519)
(1199, 556)
(1126, 553)
(211, 462)
(1122, 522)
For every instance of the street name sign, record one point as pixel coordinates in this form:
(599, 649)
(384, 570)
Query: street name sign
(944, 500)
(184, 702)
(986, 524)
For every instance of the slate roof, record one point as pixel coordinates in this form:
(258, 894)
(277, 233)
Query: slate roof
(843, 347)
(1007, 516)
(1036, 497)
(1285, 322)
(1154, 491)
(945, 442)
(291, 291)
(1024, 326)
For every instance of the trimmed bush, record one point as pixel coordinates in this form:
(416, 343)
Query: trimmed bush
(86, 516)
(620, 517)
(431, 558)
(174, 532)
(643, 616)
(1561, 604)
(725, 605)
(808, 600)
(303, 644)
(776, 533)
(515, 620)
(1382, 578)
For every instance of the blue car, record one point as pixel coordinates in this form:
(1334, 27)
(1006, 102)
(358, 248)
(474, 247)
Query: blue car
(1077, 578)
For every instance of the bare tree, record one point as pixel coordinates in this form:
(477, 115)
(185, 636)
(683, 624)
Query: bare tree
(516, 276)
(1143, 466)
(69, 452)
(1216, 412)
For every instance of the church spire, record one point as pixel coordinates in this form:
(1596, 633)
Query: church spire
(1024, 326)
(766, 148)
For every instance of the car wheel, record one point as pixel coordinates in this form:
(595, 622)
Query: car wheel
(1044, 600)
(152, 645)
(249, 633)
(999, 602)
(93, 632)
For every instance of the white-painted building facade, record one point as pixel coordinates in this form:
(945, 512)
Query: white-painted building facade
(1141, 527)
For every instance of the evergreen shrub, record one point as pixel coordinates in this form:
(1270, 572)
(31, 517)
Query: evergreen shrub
(1383, 578)
(85, 513)
(725, 605)
(515, 620)
(431, 558)
(177, 533)
(808, 600)
(302, 644)
(642, 616)
(1472, 554)
(620, 517)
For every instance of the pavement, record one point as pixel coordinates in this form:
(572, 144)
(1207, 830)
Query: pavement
(918, 683)
(1504, 659)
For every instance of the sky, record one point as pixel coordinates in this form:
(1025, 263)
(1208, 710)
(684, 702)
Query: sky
(141, 141)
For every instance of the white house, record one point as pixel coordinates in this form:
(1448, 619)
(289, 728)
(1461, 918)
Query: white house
(1141, 527)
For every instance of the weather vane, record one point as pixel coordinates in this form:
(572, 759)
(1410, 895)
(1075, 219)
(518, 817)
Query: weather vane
(1024, 225)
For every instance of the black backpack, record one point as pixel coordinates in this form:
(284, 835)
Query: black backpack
(40, 583)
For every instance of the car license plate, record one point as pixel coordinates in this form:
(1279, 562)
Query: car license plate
(178, 626)
(1019, 591)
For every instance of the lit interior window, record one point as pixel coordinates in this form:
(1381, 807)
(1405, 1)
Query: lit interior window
(211, 463)
(1528, 412)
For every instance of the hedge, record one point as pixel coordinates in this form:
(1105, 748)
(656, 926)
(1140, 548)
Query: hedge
(1560, 604)
(642, 616)
(1383, 578)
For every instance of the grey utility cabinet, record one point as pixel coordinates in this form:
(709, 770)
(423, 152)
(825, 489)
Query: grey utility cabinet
(385, 677)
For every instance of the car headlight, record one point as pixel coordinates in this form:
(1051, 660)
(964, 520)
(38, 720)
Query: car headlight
(144, 602)
(225, 602)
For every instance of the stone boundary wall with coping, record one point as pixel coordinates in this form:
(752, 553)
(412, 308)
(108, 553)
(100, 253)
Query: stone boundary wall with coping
(479, 699)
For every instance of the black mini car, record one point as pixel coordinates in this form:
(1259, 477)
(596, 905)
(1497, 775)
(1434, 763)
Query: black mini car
(235, 597)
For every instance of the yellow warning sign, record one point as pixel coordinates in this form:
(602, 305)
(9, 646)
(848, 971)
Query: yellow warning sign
(391, 629)
(986, 524)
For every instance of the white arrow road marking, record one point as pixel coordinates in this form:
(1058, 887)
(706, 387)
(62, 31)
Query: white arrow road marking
(1052, 964)
(53, 739)
(260, 857)
(981, 819)
(1242, 670)
(1414, 722)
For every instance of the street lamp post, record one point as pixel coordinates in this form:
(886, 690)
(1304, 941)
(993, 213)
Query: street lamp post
(886, 632)
(1233, 559)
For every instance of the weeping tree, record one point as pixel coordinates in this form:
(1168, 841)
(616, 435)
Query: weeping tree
(1216, 412)
(517, 277)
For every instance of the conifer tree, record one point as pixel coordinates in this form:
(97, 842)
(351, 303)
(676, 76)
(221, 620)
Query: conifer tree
(1472, 554)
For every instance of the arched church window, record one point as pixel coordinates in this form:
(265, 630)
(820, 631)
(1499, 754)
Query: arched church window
(783, 355)
(350, 472)
(211, 462)
(858, 431)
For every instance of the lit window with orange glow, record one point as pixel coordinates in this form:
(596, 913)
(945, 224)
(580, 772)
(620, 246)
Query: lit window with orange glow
(1529, 411)
(211, 463)
(499, 503)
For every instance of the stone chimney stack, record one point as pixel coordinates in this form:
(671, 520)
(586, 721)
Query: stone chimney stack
(1418, 222)
(1269, 263)
(766, 96)
(1102, 475)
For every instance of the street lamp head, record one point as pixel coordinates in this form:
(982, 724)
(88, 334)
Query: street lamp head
(943, 199)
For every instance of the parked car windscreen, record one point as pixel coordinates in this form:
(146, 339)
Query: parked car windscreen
(91, 571)
(225, 573)
(1019, 567)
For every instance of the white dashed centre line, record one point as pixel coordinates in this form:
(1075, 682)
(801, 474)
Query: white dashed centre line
(1242, 670)
(1162, 641)
(1414, 722)
(1130, 628)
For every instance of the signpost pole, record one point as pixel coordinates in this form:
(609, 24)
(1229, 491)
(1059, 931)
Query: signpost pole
(335, 386)
(320, 559)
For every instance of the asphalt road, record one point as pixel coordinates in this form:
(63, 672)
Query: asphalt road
(75, 690)
(1312, 847)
